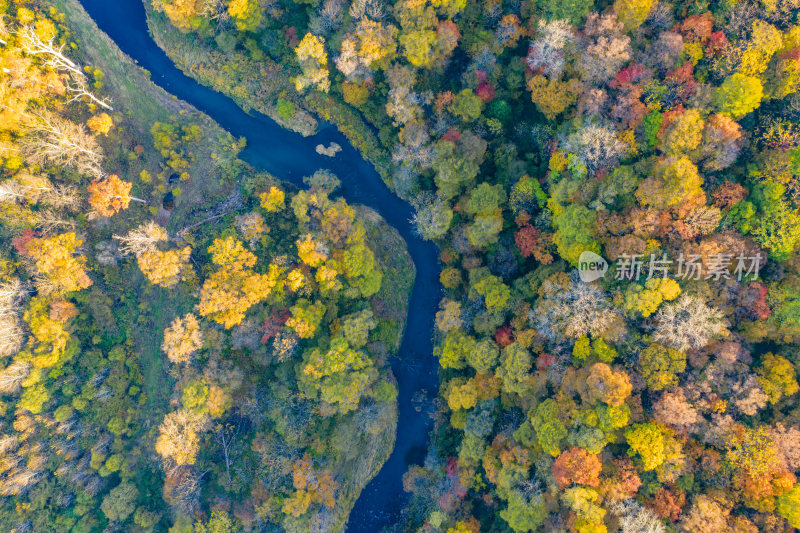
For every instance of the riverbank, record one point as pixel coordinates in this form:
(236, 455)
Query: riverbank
(132, 88)
(259, 85)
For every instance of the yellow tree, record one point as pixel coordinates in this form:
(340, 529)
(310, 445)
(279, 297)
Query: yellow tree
(552, 97)
(272, 200)
(57, 260)
(179, 436)
(182, 338)
(310, 251)
(377, 43)
(234, 288)
(632, 13)
(765, 40)
(339, 376)
(675, 180)
(314, 62)
(184, 14)
(246, 14)
(166, 268)
(418, 47)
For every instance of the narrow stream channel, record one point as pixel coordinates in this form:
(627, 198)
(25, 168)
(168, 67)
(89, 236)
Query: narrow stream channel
(289, 156)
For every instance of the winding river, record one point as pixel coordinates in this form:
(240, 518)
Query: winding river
(290, 156)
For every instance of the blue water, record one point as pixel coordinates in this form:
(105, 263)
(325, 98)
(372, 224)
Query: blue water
(290, 156)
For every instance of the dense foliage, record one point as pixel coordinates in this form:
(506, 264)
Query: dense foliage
(185, 344)
(661, 135)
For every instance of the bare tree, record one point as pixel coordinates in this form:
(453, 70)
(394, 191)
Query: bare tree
(185, 486)
(688, 324)
(10, 296)
(55, 140)
(4, 33)
(49, 221)
(142, 239)
(18, 481)
(11, 377)
(227, 436)
(575, 310)
(61, 197)
(376, 10)
(38, 189)
(214, 10)
(547, 51)
(11, 191)
(636, 518)
(8, 443)
(329, 17)
(358, 8)
(11, 334)
(54, 58)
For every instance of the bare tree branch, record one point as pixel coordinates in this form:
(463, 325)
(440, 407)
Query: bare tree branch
(54, 58)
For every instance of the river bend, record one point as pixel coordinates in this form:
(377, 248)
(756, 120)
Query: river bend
(289, 156)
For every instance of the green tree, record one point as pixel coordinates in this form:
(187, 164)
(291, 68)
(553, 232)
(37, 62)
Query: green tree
(575, 228)
(484, 230)
(738, 95)
(550, 430)
(483, 356)
(660, 366)
(777, 377)
(515, 365)
(485, 199)
(120, 502)
(356, 327)
(778, 230)
(572, 10)
(455, 349)
(789, 506)
(495, 293)
(466, 106)
(524, 514)
(362, 269)
(453, 170)
(338, 376)
(648, 442)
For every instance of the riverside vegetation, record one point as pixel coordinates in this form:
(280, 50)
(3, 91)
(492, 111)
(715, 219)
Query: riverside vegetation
(185, 344)
(526, 132)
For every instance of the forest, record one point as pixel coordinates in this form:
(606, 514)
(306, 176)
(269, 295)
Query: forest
(189, 345)
(660, 136)
(186, 344)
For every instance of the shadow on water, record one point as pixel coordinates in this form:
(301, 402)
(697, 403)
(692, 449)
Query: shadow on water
(290, 156)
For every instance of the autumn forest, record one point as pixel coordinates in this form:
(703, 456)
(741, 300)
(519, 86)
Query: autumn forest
(191, 344)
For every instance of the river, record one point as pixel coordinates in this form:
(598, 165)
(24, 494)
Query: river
(289, 156)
